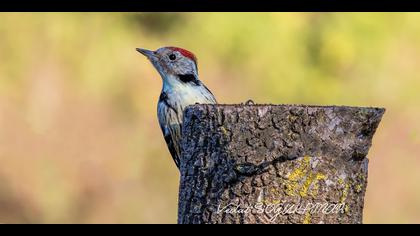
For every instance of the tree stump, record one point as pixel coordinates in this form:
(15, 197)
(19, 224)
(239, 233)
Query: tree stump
(275, 163)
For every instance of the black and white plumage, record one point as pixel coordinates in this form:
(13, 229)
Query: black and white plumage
(181, 87)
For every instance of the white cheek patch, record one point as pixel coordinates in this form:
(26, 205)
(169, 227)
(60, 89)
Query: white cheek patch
(184, 66)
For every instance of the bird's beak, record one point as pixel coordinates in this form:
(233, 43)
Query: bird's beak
(147, 53)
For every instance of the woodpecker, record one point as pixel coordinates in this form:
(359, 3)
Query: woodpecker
(181, 87)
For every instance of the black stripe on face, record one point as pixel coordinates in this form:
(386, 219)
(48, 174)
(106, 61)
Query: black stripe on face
(189, 78)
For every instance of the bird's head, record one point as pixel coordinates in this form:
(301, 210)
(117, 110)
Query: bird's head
(172, 61)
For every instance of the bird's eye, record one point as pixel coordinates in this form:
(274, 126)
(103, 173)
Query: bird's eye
(172, 57)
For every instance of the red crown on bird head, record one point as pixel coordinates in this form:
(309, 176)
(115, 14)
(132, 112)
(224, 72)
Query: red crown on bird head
(185, 53)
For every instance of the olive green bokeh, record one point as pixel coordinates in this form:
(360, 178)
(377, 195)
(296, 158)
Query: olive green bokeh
(79, 138)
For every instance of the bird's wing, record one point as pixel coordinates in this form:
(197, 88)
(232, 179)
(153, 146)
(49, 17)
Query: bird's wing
(169, 123)
(172, 138)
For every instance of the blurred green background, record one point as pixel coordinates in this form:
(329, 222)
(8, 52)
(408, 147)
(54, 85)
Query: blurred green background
(79, 138)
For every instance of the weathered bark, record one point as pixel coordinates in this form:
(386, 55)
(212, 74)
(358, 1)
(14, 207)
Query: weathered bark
(275, 163)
